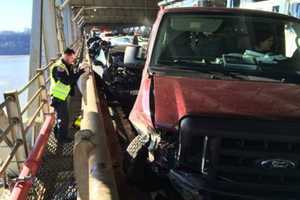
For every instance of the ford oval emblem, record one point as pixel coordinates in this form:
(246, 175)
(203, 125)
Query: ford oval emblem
(278, 164)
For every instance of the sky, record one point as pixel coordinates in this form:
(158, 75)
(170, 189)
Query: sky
(15, 15)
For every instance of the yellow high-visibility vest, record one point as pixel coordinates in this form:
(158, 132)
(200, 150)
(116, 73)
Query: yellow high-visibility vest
(58, 89)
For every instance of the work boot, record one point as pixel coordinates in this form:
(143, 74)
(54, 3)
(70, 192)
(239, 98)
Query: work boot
(55, 131)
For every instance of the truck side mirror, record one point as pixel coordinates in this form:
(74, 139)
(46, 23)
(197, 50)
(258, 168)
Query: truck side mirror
(134, 55)
(298, 41)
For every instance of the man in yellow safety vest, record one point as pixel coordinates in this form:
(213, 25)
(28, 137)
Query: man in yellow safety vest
(63, 79)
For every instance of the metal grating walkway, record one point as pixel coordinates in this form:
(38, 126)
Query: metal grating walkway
(55, 179)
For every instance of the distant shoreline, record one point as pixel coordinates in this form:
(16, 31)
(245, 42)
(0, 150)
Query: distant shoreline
(14, 43)
(14, 54)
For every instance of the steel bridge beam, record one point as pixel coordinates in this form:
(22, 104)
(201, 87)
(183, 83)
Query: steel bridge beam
(35, 49)
(44, 43)
(67, 16)
(64, 4)
(50, 31)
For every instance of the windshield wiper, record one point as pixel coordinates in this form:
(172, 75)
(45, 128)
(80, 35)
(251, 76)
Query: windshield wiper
(254, 77)
(218, 71)
(180, 62)
(190, 61)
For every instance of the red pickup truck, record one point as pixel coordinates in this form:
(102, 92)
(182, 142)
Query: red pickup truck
(218, 110)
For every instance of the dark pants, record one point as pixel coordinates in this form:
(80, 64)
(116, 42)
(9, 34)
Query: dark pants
(62, 119)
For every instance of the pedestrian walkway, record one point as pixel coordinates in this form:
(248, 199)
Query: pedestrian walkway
(55, 179)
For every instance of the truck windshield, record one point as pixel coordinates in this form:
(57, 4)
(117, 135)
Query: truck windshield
(235, 43)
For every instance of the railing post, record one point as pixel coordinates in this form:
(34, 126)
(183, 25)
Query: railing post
(4, 123)
(43, 98)
(33, 135)
(44, 95)
(15, 118)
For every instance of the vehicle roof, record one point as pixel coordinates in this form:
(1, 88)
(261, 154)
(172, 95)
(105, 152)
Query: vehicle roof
(231, 11)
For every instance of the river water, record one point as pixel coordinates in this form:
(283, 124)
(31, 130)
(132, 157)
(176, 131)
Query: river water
(14, 73)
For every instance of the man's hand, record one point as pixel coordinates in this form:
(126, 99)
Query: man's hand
(84, 66)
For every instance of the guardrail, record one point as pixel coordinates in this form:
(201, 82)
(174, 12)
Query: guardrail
(93, 166)
(33, 161)
(15, 133)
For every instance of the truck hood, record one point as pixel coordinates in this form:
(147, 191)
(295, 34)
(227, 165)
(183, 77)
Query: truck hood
(176, 97)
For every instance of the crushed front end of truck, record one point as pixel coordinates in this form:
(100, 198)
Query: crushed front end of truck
(219, 106)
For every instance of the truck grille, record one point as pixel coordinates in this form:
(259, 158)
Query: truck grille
(259, 162)
(247, 153)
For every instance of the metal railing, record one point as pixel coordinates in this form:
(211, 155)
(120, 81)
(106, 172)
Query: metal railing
(17, 129)
(15, 134)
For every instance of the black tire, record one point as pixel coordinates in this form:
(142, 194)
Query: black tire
(137, 167)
